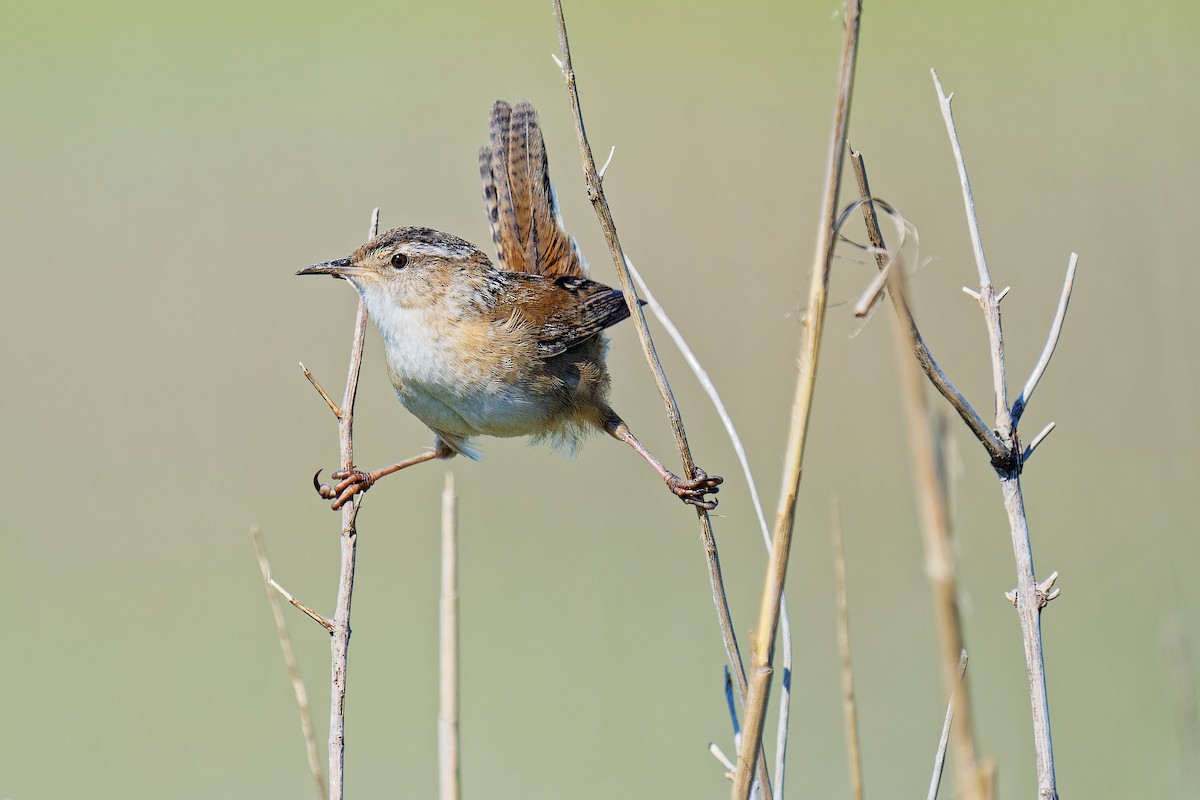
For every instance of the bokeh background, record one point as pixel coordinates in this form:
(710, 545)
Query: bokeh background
(165, 168)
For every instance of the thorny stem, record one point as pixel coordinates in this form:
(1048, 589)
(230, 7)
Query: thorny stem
(1029, 600)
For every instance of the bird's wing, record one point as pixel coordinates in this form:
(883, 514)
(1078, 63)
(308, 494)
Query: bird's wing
(527, 228)
(580, 309)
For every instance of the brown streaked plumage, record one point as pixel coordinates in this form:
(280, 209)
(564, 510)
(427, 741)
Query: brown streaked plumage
(476, 350)
(519, 200)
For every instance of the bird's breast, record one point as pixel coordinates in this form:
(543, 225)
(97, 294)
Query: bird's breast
(462, 376)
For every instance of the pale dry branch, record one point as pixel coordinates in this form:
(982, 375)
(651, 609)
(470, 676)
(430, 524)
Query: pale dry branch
(849, 704)
(785, 624)
(1036, 441)
(337, 412)
(448, 743)
(1029, 601)
(289, 657)
(310, 612)
(921, 350)
(763, 645)
(939, 758)
(1022, 402)
(595, 193)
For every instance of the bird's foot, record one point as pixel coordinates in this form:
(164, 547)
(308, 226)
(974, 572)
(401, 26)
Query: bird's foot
(349, 483)
(694, 491)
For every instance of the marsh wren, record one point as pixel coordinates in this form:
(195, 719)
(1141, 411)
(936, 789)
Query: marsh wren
(476, 350)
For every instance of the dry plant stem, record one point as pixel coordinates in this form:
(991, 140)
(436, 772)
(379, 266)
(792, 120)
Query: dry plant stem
(1029, 600)
(933, 497)
(448, 765)
(942, 383)
(289, 657)
(763, 644)
(312, 614)
(939, 758)
(349, 545)
(849, 705)
(1020, 404)
(939, 552)
(595, 192)
(785, 625)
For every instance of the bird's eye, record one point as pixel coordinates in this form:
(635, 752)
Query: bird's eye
(399, 260)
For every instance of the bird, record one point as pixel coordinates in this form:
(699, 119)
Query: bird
(475, 349)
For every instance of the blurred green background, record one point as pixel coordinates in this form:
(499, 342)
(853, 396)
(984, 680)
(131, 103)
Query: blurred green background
(167, 167)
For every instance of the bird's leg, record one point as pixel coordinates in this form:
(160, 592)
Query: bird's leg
(691, 491)
(354, 481)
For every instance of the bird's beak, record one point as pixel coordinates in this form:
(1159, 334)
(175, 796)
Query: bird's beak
(341, 268)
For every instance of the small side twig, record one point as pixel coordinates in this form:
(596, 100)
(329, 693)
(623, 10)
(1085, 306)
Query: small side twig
(1056, 327)
(310, 612)
(448, 762)
(760, 673)
(337, 412)
(849, 704)
(289, 657)
(939, 758)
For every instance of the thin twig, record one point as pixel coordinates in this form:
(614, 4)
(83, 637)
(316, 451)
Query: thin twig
(595, 192)
(939, 758)
(763, 644)
(312, 614)
(448, 764)
(785, 624)
(1036, 441)
(289, 658)
(849, 705)
(924, 357)
(337, 412)
(939, 550)
(931, 474)
(1029, 601)
(349, 548)
(987, 292)
(1022, 402)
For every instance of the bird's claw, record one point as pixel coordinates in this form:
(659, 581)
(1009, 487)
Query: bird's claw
(693, 491)
(349, 483)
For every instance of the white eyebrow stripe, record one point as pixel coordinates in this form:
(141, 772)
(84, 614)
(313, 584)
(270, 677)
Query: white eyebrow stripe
(445, 249)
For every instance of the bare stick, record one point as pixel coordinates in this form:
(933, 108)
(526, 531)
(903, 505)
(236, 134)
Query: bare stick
(785, 625)
(924, 357)
(1036, 441)
(1022, 402)
(289, 657)
(312, 614)
(988, 300)
(939, 759)
(849, 705)
(448, 766)
(763, 644)
(595, 192)
(349, 548)
(337, 412)
(933, 498)
(1030, 600)
(939, 551)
